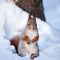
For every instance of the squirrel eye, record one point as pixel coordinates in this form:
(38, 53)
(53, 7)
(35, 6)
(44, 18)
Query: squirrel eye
(28, 24)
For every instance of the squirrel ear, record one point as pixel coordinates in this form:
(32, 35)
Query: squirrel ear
(35, 39)
(26, 39)
(29, 16)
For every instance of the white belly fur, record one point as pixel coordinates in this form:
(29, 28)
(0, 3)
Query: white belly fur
(24, 49)
(31, 34)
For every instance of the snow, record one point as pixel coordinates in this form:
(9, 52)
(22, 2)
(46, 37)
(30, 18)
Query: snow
(12, 22)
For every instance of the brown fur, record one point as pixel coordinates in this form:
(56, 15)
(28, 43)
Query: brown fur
(26, 39)
(35, 39)
(15, 41)
(34, 7)
(32, 23)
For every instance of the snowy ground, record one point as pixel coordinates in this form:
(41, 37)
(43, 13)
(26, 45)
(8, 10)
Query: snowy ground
(10, 24)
